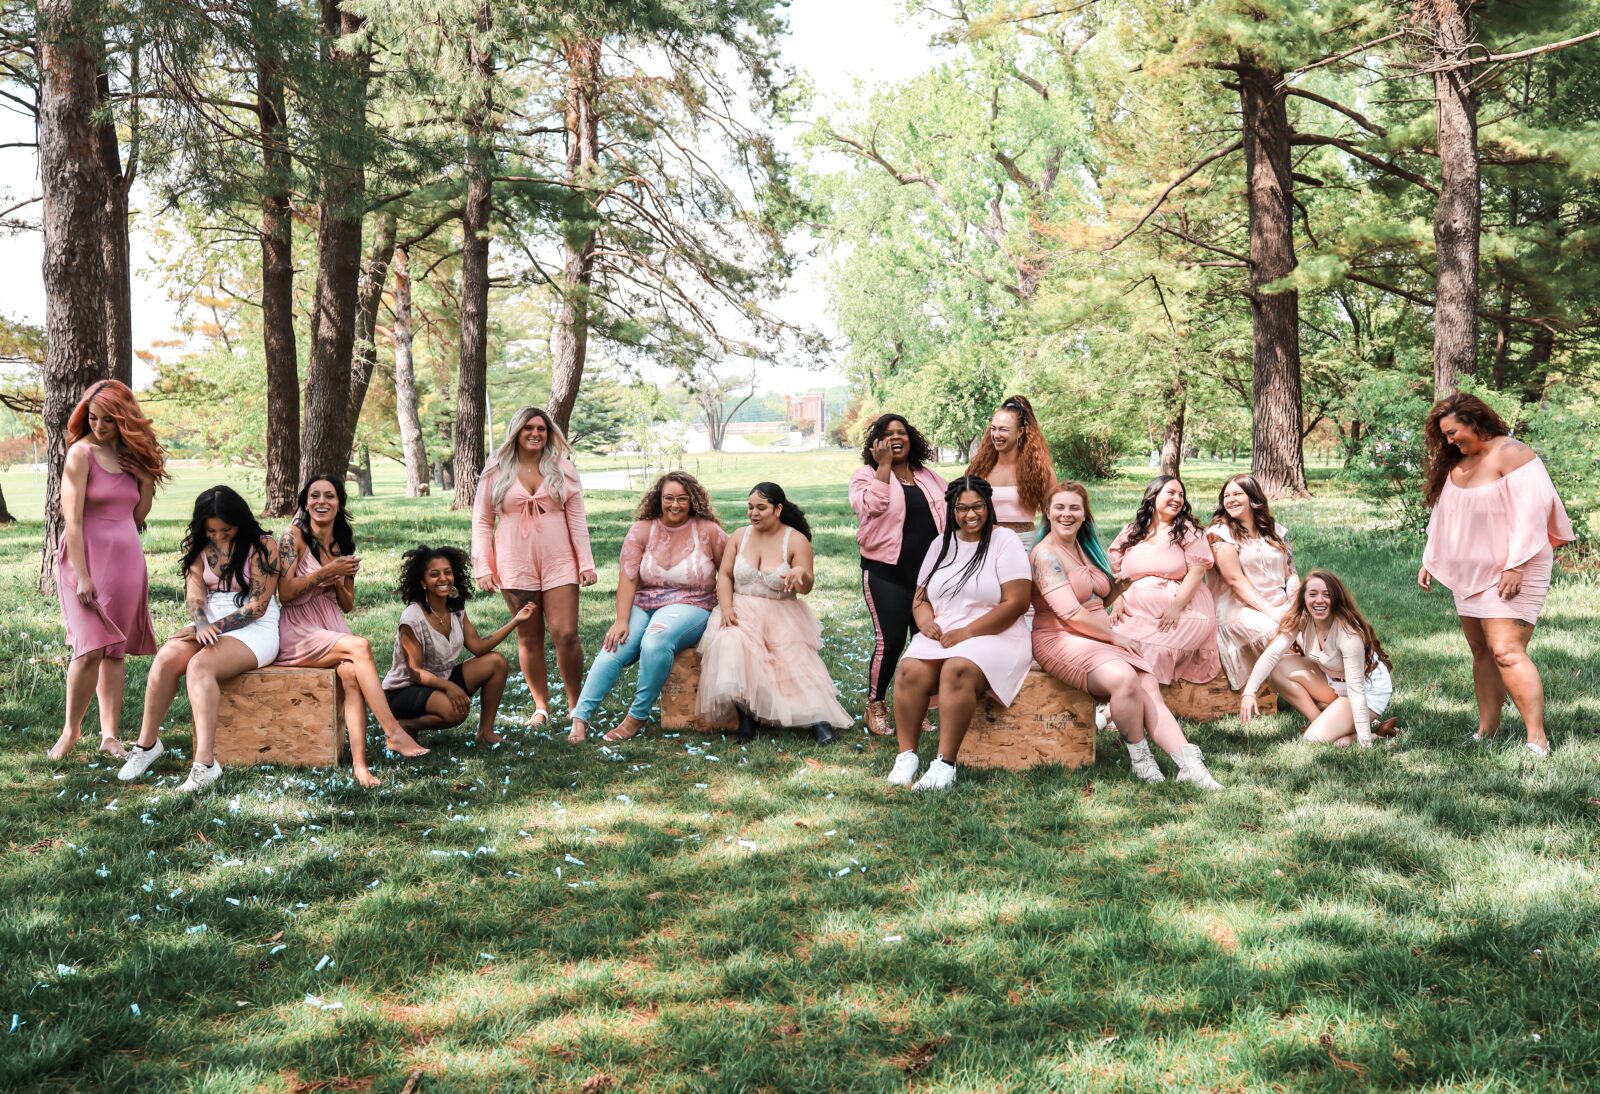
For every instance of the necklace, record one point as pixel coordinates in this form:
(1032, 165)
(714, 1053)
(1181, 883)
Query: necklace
(440, 620)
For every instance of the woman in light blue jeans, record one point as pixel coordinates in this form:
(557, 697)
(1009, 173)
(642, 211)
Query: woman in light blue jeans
(665, 592)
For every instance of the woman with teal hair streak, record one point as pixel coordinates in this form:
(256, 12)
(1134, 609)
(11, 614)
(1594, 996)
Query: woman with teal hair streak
(1073, 640)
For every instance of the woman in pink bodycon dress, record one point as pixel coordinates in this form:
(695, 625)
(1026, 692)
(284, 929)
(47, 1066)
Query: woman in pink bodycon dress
(530, 540)
(1496, 522)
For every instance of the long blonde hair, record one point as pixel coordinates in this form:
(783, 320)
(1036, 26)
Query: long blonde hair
(556, 449)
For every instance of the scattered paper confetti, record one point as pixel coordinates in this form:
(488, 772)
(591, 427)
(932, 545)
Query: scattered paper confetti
(324, 963)
(198, 928)
(574, 860)
(135, 1008)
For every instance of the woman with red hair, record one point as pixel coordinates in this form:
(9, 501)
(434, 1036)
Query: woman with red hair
(113, 465)
(1014, 459)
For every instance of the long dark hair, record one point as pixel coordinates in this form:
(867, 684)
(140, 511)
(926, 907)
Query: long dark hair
(788, 512)
(414, 571)
(1341, 607)
(918, 450)
(224, 503)
(1471, 412)
(1266, 524)
(344, 537)
(966, 484)
(1145, 518)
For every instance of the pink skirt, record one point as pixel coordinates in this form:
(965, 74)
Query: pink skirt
(1189, 650)
(1071, 657)
(1525, 606)
(309, 628)
(768, 663)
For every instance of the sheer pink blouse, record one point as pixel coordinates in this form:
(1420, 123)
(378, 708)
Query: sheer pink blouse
(673, 565)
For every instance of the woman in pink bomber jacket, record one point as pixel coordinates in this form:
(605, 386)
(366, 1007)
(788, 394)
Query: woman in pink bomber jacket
(900, 506)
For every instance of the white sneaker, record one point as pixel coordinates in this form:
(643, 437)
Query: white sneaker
(904, 769)
(939, 776)
(139, 761)
(201, 777)
(1144, 763)
(1192, 769)
(1102, 717)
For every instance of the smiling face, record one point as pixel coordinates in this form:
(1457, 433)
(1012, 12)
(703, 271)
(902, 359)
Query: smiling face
(533, 436)
(899, 441)
(102, 426)
(1319, 601)
(439, 579)
(1170, 501)
(1236, 503)
(762, 513)
(322, 502)
(1066, 514)
(220, 533)
(676, 504)
(971, 513)
(1466, 439)
(1004, 430)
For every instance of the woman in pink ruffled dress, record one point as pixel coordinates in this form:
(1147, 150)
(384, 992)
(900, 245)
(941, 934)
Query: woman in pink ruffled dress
(1496, 522)
(1167, 608)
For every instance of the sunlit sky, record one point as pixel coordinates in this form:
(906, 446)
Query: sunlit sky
(841, 46)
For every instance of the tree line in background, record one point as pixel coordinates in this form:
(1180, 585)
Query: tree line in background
(1228, 223)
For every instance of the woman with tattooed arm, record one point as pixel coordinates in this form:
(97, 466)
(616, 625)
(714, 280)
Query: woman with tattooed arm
(230, 567)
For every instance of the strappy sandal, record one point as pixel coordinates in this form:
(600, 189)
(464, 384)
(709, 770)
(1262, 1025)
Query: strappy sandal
(1389, 727)
(616, 736)
(537, 720)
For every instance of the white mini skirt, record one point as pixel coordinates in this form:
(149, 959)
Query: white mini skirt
(261, 635)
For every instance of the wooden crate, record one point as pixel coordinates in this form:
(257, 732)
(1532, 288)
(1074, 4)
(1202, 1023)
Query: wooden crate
(678, 697)
(1049, 723)
(281, 716)
(1206, 702)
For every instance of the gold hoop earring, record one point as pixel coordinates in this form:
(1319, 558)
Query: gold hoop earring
(455, 592)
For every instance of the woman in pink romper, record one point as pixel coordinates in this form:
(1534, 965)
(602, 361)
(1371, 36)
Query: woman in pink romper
(1166, 608)
(1073, 640)
(530, 540)
(112, 467)
(1496, 522)
(318, 586)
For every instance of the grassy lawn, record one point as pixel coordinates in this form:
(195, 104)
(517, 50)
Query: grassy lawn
(683, 914)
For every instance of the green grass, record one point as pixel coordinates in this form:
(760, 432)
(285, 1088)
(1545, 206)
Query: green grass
(1420, 915)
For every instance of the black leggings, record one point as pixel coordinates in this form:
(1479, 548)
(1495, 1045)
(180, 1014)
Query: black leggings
(889, 604)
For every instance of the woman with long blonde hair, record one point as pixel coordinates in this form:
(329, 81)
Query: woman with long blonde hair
(1014, 460)
(530, 541)
(113, 465)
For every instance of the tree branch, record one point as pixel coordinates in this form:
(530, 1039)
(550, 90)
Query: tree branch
(1183, 177)
(1366, 157)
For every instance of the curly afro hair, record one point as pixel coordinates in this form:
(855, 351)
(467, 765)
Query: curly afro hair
(414, 569)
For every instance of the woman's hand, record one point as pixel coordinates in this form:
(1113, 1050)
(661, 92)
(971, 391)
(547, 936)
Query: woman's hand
(730, 618)
(1425, 580)
(524, 613)
(87, 595)
(207, 635)
(1247, 709)
(488, 583)
(881, 454)
(615, 637)
(932, 630)
(947, 639)
(339, 568)
(1510, 584)
(796, 580)
(587, 578)
(460, 701)
(1168, 619)
(1123, 642)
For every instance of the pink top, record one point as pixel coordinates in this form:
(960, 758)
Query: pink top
(1168, 560)
(311, 624)
(673, 565)
(1477, 533)
(881, 510)
(1008, 508)
(503, 542)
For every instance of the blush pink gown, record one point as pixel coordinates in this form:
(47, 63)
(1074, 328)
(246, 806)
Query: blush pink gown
(311, 624)
(119, 621)
(1189, 650)
(1477, 533)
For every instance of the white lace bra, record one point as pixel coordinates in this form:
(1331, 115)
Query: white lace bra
(763, 583)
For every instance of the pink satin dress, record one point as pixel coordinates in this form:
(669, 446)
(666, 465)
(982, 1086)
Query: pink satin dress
(119, 621)
(311, 624)
(1156, 570)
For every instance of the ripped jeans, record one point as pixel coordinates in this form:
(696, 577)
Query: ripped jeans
(654, 639)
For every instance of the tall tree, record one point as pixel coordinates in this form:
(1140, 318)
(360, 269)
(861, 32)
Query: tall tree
(369, 298)
(581, 112)
(472, 378)
(1458, 212)
(405, 380)
(115, 246)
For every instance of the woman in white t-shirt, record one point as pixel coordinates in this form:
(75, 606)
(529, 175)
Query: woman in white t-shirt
(972, 590)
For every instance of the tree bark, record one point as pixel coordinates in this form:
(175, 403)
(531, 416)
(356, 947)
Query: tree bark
(1172, 441)
(472, 379)
(579, 241)
(369, 298)
(5, 513)
(1458, 211)
(405, 381)
(115, 249)
(277, 285)
(1277, 455)
(73, 177)
(324, 448)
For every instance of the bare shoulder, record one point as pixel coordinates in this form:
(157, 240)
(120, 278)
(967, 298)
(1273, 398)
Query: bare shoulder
(1511, 454)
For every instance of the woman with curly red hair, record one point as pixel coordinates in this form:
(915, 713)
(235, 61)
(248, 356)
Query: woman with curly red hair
(1015, 461)
(113, 465)
(1491, 540)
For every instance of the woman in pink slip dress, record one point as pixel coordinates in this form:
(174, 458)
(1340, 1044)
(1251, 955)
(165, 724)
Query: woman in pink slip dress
(1167, 608)
(530, 541)
(1014, 459)
(318, 586)
(1254, 580)
(113, 465)
(1073, 640)
(1496, 522)
(760, 655)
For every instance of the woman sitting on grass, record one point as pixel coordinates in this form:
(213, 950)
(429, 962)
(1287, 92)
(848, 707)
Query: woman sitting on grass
(317, 588)
(665, 592)
(1340, 679)
(426, 688)
(230, 568)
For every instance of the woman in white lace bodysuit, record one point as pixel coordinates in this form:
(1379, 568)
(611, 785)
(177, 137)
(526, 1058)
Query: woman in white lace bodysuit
(760, 654)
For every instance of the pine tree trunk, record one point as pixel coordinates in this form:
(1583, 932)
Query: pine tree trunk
(1277, 458)
(579, 241)
(277, 287)
(119, 284)
(5, 513)
(405, 382)
(74, 181)
(1458, 211)
(369, 298)
(1172, 442)
(472, 377)
(362, 473)
(324, 448)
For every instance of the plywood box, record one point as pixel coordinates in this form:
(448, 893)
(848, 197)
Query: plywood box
(1207, 702)
(678, 697)
(1049, 723)
(281, 716)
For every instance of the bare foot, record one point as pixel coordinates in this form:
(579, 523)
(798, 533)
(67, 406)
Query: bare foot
(538, 719)
(579, 732)
(367, 779)
(489, 737)
(630, 728)
(405, 744)
(64, 744)
(114, 747)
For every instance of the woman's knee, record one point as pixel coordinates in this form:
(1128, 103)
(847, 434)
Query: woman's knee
(914, 675)
(498, 665)
(347, 674)
(1508, 655)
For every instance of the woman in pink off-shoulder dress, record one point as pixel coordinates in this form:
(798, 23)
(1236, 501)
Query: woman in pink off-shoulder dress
(1496, 522)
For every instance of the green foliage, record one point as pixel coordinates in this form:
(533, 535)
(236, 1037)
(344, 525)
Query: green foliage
(1388, 465)
(1561, 428)
(212, 406)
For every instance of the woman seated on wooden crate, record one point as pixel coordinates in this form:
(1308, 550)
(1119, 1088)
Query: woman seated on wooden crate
(1074, 642)
(1255, 580)
(317, 588)
(230, 568)
(426, 688)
